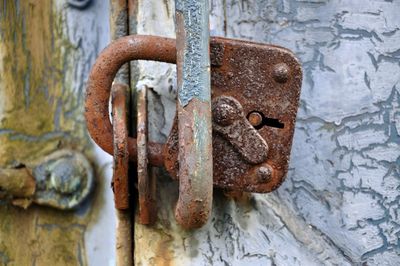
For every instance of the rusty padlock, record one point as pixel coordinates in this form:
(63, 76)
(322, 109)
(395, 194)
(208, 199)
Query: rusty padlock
(255, 92)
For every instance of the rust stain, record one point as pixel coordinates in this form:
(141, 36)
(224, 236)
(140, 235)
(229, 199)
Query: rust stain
(231, 123)
(255, 119)
(195, 183)
(194, 114)
(164, 256)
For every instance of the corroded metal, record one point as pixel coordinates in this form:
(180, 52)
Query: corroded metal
(123, 50)
(255, 119)
(146, 182)
(61, 180)
(264, 79)
(246, 78)
(194, 113)
(231, 123)
(120, 182)
(123, 253)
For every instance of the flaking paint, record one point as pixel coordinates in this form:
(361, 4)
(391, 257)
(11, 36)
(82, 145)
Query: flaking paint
(38, 115)
(34, 88)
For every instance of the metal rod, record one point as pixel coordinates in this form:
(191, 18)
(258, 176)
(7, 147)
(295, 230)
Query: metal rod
(120, 141)
(194, 113)
(146, 182)
(120, 175)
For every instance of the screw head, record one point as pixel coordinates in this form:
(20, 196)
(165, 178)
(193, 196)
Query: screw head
(255, 119)
(264, 173)
(224, 114)
(281, 72)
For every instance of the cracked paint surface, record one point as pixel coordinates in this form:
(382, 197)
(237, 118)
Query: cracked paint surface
(340, 202)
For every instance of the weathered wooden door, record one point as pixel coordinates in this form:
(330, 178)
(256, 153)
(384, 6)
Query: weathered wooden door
(339, 204)
(46, 50)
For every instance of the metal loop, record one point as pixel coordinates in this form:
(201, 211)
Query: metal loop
(123, 50)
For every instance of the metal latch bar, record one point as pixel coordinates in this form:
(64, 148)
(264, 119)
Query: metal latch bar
(194, 113)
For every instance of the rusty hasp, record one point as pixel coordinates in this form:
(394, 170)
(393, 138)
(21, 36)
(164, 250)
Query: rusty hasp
(255, 91)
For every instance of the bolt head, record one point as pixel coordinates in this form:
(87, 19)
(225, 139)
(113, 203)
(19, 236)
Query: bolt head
(65, 176)
(264, 173)
(281, 72)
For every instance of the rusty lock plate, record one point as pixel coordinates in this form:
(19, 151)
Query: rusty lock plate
(255, 97)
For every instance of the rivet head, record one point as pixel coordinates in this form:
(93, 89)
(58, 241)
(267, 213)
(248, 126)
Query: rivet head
(224, 114)
(264, 173)
(65, 176)
(281, 72)
(255, 119)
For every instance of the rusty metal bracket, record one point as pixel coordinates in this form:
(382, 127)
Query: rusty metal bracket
(255, 96)
(123, 50)
(262, 83)
(120, 182)
(231, 123)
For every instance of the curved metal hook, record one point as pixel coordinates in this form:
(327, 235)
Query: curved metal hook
(123, 50)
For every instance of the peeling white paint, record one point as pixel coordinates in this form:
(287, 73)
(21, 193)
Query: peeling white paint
(340, 203)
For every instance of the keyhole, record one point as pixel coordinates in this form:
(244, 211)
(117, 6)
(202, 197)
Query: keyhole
(258, 120)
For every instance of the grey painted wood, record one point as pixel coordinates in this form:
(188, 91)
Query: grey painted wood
(340, 202)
